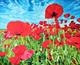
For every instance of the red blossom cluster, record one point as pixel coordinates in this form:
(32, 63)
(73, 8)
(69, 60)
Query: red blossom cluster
(21, 53)
(46, 43)
(17, 28)
(20, 28)
(72, 33)
(2, 54)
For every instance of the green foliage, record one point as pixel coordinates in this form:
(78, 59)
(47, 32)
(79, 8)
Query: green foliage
(61, 55)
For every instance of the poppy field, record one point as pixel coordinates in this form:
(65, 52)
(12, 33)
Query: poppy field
(24, 43)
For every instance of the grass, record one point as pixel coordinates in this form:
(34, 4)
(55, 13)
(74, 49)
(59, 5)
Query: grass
(63, 55)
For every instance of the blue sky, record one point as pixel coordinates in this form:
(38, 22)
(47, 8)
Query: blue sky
(33, 10)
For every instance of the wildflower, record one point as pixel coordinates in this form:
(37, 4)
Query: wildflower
(67, 35)
(8, 35)
(77, 34)
(27, 30)
(46, 43)
(14, 60)
(75, 41)
(2, 53)
(27, 54)
(52, 30)
(19, 50)
(59, 43)
(78, 26)
(78, 19)
(19, 28)
(15, 27)
(72, 25)
(53, 10)
(36, 33)
(21, 53)
(72, 17)
(66, 15)
(44, 23)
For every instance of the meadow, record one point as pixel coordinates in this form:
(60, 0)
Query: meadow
(42, 44)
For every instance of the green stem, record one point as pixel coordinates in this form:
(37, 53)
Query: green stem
(46, 56)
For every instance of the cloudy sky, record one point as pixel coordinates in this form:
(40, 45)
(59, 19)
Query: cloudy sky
(33, 10)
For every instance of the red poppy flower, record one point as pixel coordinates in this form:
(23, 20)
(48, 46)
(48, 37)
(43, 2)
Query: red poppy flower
(21, 53)
(43, 23)
(46, 43)
(27, 30)
(15, 27)
(19, 28)
(14, 60)
(72, 17)
(62, 36)
(53, 30)
(65, 28)
(8, 35)
(34, 26)
(78, 27)
(19, 50)
(57, 24)
(72, 25)
(75, 41)
(67, 35)
(77, 34)
(36, 33)
(59, 43)
(56, 31)
(53, 10)
(27, 54)
(2, 53)
(37, 37)
(77, 45)
(78, 19)
(46, 35)
(66, 15)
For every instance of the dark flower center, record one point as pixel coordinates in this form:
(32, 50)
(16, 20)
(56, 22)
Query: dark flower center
(54, 14)
(18, 34)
